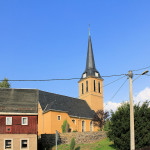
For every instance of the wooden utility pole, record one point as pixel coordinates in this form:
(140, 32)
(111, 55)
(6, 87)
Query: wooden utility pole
(132, 137)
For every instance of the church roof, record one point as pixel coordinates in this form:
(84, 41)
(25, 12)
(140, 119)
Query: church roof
(73, 106)
(90, 69)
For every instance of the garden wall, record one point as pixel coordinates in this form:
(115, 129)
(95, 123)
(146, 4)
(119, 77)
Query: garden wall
(48, 140)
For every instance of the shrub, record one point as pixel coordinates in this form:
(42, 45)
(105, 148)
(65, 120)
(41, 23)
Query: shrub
(65, 127)
(119, 127)
(72, 144)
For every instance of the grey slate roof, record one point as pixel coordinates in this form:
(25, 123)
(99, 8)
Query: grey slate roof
(90, 63)
(73, 106)
(18, 100)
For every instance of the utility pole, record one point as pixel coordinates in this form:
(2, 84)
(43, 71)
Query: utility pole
(132, 137)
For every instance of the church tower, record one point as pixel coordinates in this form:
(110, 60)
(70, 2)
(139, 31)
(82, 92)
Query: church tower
(91, 83)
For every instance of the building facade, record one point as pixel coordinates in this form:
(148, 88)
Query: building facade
(18, 119)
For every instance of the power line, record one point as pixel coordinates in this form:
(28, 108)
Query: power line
(142, 68)
(117, 91)
(58, 79)
(113, 81)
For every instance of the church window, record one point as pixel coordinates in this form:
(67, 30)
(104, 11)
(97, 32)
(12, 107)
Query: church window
(96, 74)
(83, 126)
(86, 86)
(84, 75)
(59, 118)
(94, 86)
(91, 126)
(74, 121)
(82, 89)
(99, 88)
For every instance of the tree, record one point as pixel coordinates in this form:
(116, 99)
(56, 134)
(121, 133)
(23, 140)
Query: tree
(5, 83)
(65, 126)
(119, 127)
(72, 144)
(100, 118)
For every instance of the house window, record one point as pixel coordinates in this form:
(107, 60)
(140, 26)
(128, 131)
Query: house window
(8, 120)
(24, 144)
(99, 88)
(59, 118)
(8, 144)
(94, 86)
(24, 120)
(86, 86)
(82, 89)
(74, 121)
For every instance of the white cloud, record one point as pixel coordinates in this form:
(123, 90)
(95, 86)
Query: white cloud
(141, 97)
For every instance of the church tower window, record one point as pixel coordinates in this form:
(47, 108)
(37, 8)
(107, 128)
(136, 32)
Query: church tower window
(86, 86)
(99, 88)
(82, 88)
(94, 86)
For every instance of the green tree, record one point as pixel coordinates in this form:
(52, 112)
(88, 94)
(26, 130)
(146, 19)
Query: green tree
(72, 144)
(119, 127)
(65, 126)
(5, 83)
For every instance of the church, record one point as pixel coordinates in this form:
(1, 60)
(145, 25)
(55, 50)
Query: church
(54, 109)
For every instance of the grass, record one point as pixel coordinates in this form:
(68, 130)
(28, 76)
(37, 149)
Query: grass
(104, 144)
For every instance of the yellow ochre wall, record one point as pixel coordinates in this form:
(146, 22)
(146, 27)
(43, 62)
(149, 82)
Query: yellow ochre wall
(48, 122)
(93, 98)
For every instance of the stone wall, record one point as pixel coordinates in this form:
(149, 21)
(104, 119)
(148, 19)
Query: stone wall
(48, 140)
(82, 137)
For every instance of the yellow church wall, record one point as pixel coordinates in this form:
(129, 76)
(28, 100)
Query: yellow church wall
(48, 122)
(93, 98)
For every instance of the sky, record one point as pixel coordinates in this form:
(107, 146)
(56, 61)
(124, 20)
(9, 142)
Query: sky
(49, 39)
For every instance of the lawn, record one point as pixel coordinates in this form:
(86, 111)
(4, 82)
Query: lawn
(104, 144)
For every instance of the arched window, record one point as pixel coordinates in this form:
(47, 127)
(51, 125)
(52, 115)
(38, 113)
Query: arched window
(82, 89)
(86, 86)
(83, 126)
(99, 88)
(91, 126)
(94, 86)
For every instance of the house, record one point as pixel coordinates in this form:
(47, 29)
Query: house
(54, 108)
(18, 119)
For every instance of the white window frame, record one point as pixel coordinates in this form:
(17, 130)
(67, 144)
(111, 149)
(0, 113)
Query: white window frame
(59, 116)
(11, 144)
(22, 121)
(7, 122)
(21, 144)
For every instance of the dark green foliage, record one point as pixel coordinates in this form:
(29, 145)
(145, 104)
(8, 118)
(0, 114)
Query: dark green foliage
(65, 127)
(72, 144)
(4, 83)
(106, 125)
(119, 127)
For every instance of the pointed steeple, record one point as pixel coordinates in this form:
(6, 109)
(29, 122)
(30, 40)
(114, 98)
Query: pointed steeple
(90, 69)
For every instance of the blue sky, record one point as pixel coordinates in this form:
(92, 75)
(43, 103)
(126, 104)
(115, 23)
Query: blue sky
(49, 39)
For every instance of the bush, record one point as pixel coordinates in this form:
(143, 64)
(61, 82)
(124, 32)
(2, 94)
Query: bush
(72, 144)
(119, 126)
(65, 127)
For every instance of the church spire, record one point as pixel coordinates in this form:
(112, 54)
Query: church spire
(90, 69)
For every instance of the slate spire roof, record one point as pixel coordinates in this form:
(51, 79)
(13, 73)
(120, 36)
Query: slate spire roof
(90, 69)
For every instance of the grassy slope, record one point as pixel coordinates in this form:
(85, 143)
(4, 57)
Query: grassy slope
(104, 144)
